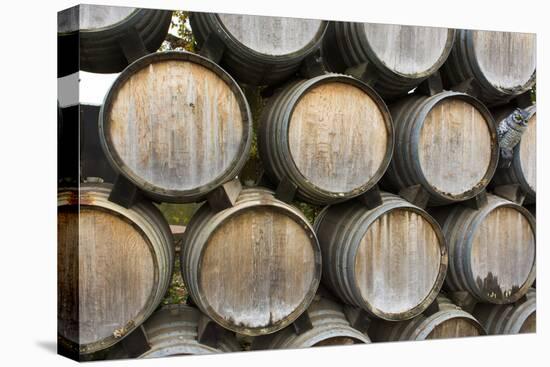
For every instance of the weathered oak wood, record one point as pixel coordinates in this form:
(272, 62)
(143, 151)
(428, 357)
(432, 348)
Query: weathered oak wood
(393, 246)
(446, 143)
(502, 63)
(399, 57)
(491, 250)
(514, 318)
(329, 326)
(260, 50)
(449, 321)
(115, 266)
(253, 268)
(331, 136)
(176, 125)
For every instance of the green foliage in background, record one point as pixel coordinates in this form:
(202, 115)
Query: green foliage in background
(180, 37)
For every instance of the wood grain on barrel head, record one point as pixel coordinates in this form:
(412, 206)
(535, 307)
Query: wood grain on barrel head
(397, 261)
(528, 153)
(176, 125)
(454, 328)
(454, 147)
(503, 252)
(530, 324)
(337, 137)
(257, 267)
(271, 35)
(408, 50)
(116, 273)
(88, 17)
(506, 59)
(67, 273)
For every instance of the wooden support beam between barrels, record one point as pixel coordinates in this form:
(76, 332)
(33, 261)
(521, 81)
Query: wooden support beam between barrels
(225, 196)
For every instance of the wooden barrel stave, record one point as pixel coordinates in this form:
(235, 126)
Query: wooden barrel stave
(184, 162)
(514, 318)
(256, 312)
(248, 65)
(330, 327)
(414, 161)
(282, 159)
(463, 227)
(92, 333)
(343, 231)
(347, 45)
(463, 64)
(457, 322)
(100, 50)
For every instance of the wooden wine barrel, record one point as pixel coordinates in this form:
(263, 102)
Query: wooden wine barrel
(173, 331)
(491, 250)
(114, 266)
(523, 168)
(399, 57)
(503, 64)
(102, 30)
(330, 327)
(176, 125)
(331, 136)
(259, 50)
(252, 268)
(444, 322)
(447, 143)
(372, 258)
(514, 318)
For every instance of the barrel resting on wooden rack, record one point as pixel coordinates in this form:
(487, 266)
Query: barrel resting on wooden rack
(397, 57)
(372, 256)
(514, 318)
(330, 327)
(491, 249)
(523, 167)
(252, 268)
(445, 321)
(502, 65)
(176, 125)
(447, 143)
(101, 31)
(114, 266)
(259, 50)
(331, 136)
(173, 331)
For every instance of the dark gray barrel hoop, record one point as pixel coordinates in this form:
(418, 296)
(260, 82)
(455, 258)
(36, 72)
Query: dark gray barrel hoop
(215, 221)
(436, 196)
(164, 194)
(454, 279)
(308, 190)
(467, 256)
(366, 220)
(487, 86)
(148, 212)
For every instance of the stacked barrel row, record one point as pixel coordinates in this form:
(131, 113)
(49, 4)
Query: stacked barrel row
(340, 121)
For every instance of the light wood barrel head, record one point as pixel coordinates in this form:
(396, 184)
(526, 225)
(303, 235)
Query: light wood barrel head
(398, 262)
(408, 50)
(506, 59)
(176, 125)
(338, 340)
(116, 270)
(257, 268)
(502, 253)
(457, 327)
(530, 324)
(338, 137)
(273, 36)
(86, 17)
(528, 153)
(455, 147)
